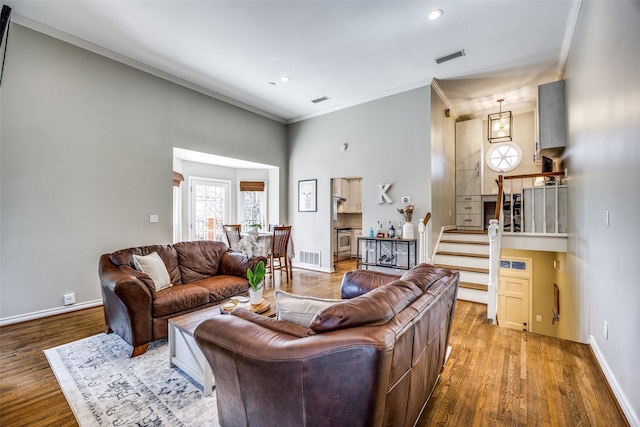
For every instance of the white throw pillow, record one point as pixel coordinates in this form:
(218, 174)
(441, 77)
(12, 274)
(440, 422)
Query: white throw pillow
(153, 265)
(300, 310)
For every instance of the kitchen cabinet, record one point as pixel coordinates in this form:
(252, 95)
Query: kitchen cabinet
(468, 158)
(355, 233)
(354, 199)
(340, 187)
(552, 118)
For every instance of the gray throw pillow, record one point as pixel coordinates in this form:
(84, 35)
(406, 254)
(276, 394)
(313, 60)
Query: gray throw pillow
(300, 310)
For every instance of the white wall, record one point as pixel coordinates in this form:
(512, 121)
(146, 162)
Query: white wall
(443, 170)
(389, 143)
(524, 136)
(87, 148)
(603, 156)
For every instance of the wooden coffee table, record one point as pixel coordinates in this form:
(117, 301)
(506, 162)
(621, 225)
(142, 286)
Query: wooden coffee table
(185, 354)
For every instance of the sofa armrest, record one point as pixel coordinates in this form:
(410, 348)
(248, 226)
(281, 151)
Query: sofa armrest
(127, 301)
(359, 282)
(236, 264)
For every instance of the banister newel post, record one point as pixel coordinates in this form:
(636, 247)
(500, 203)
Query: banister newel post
(494, 265)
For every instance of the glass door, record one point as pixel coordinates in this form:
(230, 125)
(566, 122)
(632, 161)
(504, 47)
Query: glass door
(209, 209)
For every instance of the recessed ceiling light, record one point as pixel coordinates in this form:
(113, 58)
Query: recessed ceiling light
(285, 78)
(435, 14)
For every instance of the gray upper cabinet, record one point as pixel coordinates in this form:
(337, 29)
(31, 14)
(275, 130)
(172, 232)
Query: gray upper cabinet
(552, 118)
(468, 158)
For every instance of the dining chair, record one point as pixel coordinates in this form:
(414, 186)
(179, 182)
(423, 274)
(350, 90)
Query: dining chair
(232, 231)
(279, 257)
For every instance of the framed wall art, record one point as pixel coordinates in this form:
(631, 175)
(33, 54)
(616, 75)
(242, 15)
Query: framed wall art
(307, 197)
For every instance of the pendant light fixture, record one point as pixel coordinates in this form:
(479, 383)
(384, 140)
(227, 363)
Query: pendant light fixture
(500, 125)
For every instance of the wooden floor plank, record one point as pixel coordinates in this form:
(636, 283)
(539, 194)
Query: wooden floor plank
(494, 376)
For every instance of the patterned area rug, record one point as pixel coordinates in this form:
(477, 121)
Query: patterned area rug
(104, 386)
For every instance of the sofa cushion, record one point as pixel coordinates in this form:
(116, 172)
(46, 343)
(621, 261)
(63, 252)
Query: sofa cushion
(222, 287)
(425, 276)
(179, 298)
(373, 308)
(199, 259)
(300, 310)
(153, 265)
(358, 282)
(167, 253)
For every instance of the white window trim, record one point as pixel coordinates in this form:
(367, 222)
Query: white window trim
(497, 146)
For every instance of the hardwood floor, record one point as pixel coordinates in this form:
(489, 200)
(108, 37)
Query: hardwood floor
(494, 376)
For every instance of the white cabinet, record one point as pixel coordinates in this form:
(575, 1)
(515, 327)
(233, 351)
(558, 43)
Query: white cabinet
(552, 118)
(355, 233)
(468, 158)
(354, 200)
(340, 187)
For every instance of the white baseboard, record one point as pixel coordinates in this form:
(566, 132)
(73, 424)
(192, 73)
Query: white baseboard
(49, 312)
(622, 399)
(313, 268)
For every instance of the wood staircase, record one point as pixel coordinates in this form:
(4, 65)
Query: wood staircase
(468, 252)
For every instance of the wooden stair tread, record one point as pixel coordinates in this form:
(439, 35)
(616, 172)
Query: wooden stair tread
(456, 231)
(468, 255)
(460, 268)
(476, 286)
(465, 242)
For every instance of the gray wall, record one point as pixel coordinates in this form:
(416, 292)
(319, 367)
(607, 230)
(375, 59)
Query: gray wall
(389, 142)
(86, 156)
(603, 157)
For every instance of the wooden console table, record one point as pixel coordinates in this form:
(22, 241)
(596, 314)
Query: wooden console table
(395, 253)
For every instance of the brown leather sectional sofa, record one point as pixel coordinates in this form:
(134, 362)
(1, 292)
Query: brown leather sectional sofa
(203, 273)
(371, 360)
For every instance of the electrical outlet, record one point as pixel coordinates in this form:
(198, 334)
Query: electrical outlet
(153, 218)
(538, 317)
(606, 330)
(69, 299)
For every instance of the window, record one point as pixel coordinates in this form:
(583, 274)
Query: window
(209, 209)
(252, 203)
(504, 157)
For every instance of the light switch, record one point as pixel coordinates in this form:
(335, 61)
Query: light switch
(606, 218)
(153, 218)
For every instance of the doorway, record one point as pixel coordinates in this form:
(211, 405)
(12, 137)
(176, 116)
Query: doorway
(209, 208)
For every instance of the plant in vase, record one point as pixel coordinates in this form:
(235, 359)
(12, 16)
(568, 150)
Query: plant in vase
(256, 283)
(407, 228)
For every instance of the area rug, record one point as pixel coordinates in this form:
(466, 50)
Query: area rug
(104, 386)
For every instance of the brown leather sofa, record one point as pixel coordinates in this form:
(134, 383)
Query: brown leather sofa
(202, 273)
(371, 360)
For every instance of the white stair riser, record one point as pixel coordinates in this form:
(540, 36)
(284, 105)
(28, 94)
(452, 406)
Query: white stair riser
(465, 237)
(473, 295)
(473, 277)
(462, 261)
(464, 248)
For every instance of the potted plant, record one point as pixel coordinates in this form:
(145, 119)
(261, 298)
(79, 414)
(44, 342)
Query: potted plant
(256, 283)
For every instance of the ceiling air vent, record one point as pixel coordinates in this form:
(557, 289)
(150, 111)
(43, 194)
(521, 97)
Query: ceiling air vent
(322, 98)
(451, 56)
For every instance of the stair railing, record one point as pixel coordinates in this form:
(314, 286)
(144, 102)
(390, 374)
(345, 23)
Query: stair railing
(515, 209)
(423, 242)
(496, 225)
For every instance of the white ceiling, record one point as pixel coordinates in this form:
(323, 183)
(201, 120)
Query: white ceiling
(351, 51)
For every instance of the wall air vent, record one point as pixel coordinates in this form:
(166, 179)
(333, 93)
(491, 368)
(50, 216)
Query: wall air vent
(310, 258)
(322, 98)
(451, 56)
